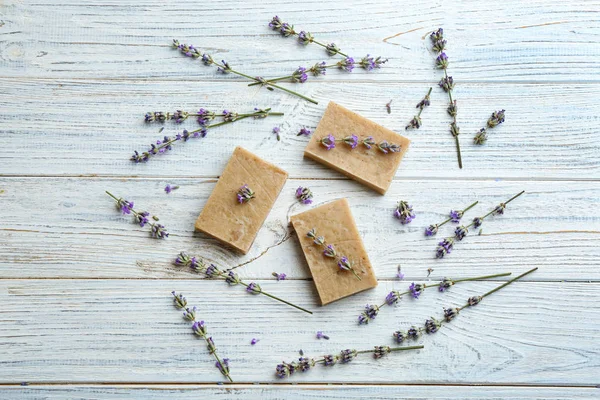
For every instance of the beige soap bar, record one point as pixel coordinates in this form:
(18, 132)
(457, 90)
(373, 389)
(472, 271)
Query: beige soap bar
(369, 167)
(231, 222)
(335, 223)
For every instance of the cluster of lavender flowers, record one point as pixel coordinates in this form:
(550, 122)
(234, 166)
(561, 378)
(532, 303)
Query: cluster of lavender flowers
(143, 218)
(347, 64)
(329, 251)
(245, 194)
(446, 245)
(447, 84)
(455, 216)
(416, 121)
(496, 119)
(230, 277)
(224, 67)
(353, 141)
(285, 370)
(204, 118)
(199, 328)
(432, 325)
(415, 290)
(404, 212)
(304, 195)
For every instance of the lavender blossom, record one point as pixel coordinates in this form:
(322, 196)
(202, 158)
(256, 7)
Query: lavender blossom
(245, 194)
(276, 131)
(304, 132)
(416, 289)
(320, 335)
(496, 119)
(347, 64)
(460, 232)
(169, 188)
(351, 141)
(329, 251)
(404, 212)
(304, 195)
(444, 247)
(332, 49)
(157, 230)
(431, 230)
(318, 69)
(279, 277)
(328, 142)
(416, 121)
(305, 37)
(253, 288)
(300, 75)
(481, 136)
(254, 341)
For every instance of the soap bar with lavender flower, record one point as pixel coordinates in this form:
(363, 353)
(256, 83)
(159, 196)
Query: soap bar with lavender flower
(334, 229)
(371, 154)
(242, 199)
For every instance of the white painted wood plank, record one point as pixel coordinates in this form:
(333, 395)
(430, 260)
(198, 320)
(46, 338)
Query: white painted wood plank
(128, 331)
(536, 40)
(68, 228)
(92, 128)
(327, 392)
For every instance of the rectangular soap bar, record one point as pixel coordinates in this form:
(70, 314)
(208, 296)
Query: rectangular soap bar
(372, 168)
(223, 217)
(335, 223)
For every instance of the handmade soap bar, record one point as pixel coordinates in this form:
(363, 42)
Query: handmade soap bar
(223, 217)
(334, 222)
(371, 167)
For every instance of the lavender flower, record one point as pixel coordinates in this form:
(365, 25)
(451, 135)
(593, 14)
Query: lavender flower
(432, 325)
(224, 67)
(204, 117)
(392, 298)
(199, 328)
(416, 121)
(431, 230)
(305, 37)
(481, 136)
(328, 142)
(369, 314)
(496, 119)
(304, 132)
(459, 234)
(279, 277)
(157, 230)
(245, 194)
(329, 251)
(450, 313)
(404, 212)
(386, 147)
(299, 75)
(318, 69)
(416, 290)
(399, 273)
(347, 64)
(285, 370)
(400, 336)
(332, 49)
(353, 141)
(170, 188)
(254, 341)
(304, 195)
(320, 335)
(276, 131)
(198, 265)
(447, 84)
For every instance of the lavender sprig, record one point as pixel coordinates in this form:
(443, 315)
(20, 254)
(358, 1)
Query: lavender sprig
(415, 290)
(204, 118)
(496, 119)
(284, 370)
(329, 251)
(245, 194)
(432, 325)
(446, 245)
(455, 217)
(212, 271)
(416, 121)
(157, 231)
(447, 84)
(224, 67)
(304, 195)
(199, 328)
(353, 141)
(404, 212)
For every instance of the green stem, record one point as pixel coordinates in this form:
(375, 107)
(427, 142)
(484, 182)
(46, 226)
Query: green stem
(471, 206)
(421, 109)
(446, 221)
(458, 152)
(494, 209)
(281, 78)
(214, 353)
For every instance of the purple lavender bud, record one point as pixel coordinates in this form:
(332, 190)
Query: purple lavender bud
(404, 212)
(392, 298)
(452, 109)
(210, 345)
(224, 68)
(399, 274)
(207, 59)
(442, 61)
(447, 83)
(190, 314)
(321, 335)
(299, 75)
(170, 188)
(332, 49)
(199, 328)
(319, 241)
(432, 325)
(328, 142)
(232, 278)
(496, 119)
(143, 218)
(347, 64)
(275, 23)
(158, 231)
(329, 251)
(368, 142)
(253, 288)
(318, 69)
(477, 222)
(473, 301)
(460, 232)
(304, 364)
(431, 230)
(455, 216)
(212, 271)
(276, 131)
(416, 289)
(195, 264)
(439, 46)
(245, 194)
(400, 336)
(481, 136)
(179, 300)
(344, 264)
(305, 37)
(229, 116)
(367, 63)
(254, 341)
(444, 247)
(329, 360)
(223, 366)
(149, 117)
(279, 277)
(445, 284)
(454, 129)
(415, 123)
(284, 370)
(304, 195)
(287, 29)
(450, 313)
(347, 355)
(179, 116)
(386, 147)
(304, 132)
(437, 35)
(380, 61)
(499, 210)
(312, 233)
(351, 141)
(125, 206)
(381, 351)
(413, 332)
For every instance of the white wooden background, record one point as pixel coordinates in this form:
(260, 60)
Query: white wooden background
(85, 310)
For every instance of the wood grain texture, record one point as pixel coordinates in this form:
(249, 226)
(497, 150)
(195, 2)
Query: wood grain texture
(68, 228)
(327, 392)
(92, 128)
(129, 331)
(511, 40)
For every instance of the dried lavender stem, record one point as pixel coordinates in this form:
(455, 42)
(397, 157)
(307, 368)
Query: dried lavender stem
(503, 285)
(281, 78)
(463, 211)
(458, 153)
(214, 353)
(422, 108)
(491, 212)
(281, 300)
(324, 46)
